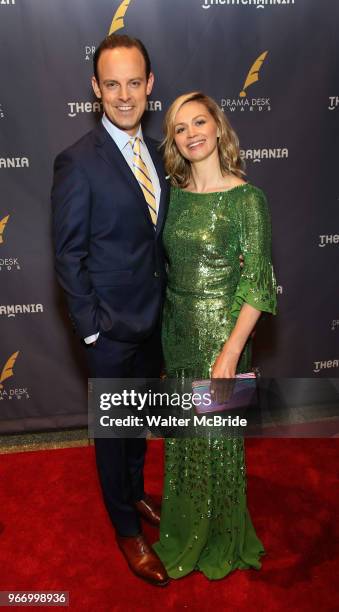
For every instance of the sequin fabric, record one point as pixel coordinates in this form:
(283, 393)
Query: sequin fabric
(205, 523)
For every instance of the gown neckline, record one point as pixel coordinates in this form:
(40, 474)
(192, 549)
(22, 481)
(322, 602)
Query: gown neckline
(198, 193)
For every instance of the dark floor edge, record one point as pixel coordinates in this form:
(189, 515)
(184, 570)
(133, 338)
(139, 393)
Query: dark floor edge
(45, 440)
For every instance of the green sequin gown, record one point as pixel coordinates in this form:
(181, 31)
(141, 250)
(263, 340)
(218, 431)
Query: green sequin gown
(205, 523)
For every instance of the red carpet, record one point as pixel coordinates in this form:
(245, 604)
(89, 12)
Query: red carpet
(55, 535)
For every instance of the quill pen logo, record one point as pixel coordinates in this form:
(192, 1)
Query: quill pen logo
(7, 263)
(118, 19)
(13, 393)
(253, 75)
(243, 102)
(7, 371)
(117, 24)
(3, 223)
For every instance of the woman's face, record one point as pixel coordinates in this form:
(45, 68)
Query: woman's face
(195, 132)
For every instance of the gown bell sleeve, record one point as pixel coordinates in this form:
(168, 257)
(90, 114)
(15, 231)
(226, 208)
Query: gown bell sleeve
(257, 283)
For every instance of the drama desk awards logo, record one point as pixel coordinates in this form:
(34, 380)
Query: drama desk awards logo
(3, 223)
(7, 370)
(117, 24)
(6, 373)
(243, 102)
(118, 19)
(6, 263)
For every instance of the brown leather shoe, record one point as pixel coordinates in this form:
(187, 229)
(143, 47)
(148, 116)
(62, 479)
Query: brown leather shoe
(142, 559)
(149, 510)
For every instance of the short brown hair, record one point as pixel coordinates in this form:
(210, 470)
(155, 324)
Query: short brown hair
(121, 40)
(176, 165)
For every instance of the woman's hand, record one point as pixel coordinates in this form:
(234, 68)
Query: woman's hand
(225, 365)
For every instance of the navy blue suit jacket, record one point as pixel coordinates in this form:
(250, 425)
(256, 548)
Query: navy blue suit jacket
(109, 260)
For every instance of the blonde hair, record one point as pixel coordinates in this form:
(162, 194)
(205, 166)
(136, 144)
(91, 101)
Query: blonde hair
(176, 165)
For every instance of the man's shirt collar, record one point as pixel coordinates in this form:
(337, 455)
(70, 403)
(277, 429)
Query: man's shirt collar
(120, 137)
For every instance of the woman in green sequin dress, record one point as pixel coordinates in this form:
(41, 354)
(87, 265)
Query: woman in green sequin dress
(211, 308)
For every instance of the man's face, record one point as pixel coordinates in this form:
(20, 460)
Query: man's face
(123, 87)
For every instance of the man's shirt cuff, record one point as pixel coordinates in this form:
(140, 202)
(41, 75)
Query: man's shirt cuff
(92, 338)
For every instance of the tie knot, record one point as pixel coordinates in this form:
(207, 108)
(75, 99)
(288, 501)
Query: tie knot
(135, 144)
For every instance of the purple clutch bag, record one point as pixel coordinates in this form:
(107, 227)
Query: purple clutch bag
(240, 392)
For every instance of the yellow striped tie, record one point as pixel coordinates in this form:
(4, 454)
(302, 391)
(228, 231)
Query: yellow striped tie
(142, 175)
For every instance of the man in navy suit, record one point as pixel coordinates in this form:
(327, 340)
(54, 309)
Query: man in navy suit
(109, 203)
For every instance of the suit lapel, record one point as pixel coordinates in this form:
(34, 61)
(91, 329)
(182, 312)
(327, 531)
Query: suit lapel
(110, 153)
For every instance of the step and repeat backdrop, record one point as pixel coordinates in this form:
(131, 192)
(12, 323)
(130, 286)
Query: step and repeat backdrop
(272, 65)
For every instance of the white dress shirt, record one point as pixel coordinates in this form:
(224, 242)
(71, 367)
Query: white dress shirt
(122, 140)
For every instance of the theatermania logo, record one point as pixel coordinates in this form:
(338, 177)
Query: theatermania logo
(2, 112)
(259, 4)
(78, 108)
(11, 310)
(259, 155)
(328, 239)
(7, 2)
(14, 162)
(334, 102)
(328, 364)
(6, 373)
(117, 24)
(243, 102)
